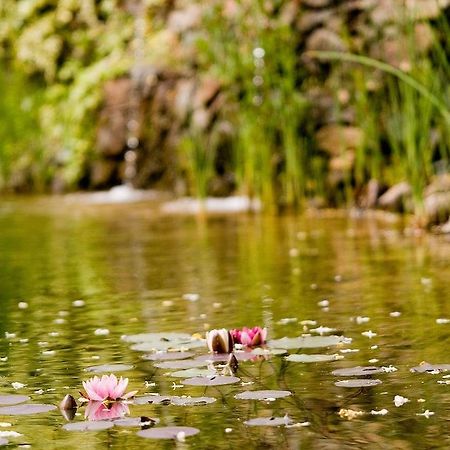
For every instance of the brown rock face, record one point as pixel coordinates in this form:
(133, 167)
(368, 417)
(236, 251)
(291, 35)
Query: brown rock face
(337, 139)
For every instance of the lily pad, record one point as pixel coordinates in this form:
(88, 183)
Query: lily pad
(181, 364)
(425, 367)
(223, 357)
(98, 425)
(135, 422)
(167, 356)
(268, 421)
(268, 351)
(21, 410)
(218, 380)
(13, 399)
(109, 368)
(313, 358)
(194, 372)
(156, 337)
(167, 345)
(174, 400)
(262, 395)
(308, 342)
(358, 383)
(153, 399)
(357, 371)
(168, 432)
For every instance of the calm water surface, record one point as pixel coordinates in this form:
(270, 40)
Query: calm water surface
(131, 267)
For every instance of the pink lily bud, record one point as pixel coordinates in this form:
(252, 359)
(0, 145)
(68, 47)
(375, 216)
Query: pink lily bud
(250, 337)
(219, 341)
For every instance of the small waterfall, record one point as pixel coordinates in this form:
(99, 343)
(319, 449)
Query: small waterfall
(138, 10)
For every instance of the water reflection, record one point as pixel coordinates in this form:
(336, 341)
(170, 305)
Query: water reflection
(105, 411)
(132, 267)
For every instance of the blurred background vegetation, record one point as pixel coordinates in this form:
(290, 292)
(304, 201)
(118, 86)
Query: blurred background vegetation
(253, 97)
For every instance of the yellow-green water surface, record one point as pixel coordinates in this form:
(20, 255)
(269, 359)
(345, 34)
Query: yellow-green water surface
(70, 272)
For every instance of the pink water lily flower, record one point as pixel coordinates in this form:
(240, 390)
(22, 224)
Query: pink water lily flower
(100, 411)
(250, 337)
(108, 387)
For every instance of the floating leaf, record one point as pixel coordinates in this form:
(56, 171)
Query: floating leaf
(98, 425)
(358, 383)
(156, 337)
(223, 357)
(308, 342)
(109, 368)
(268, 421)
(262, 395)
(12, 399)
(168, 432)
(425, 367)
(174, 400)
(30, 408)
(135, 422)
(181, 364)
(313, 358)
(269, 351)
(167, 356)
(357, 371)
(167, 345)
(211, 381)
(194, 372)
(153, 399)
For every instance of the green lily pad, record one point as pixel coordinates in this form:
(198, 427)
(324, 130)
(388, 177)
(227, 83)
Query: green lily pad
(194, 372)
(168, 432)
(268, 421)
(173, 400)
(357, 371)
(309, 342)
(97, 425)
(313, 358)
(157, 337)
(358, 383)
(25, 409)
(167, 356)
(109, 368)
(181, 364)
(13, 399)
(262, 395)
(211, 381)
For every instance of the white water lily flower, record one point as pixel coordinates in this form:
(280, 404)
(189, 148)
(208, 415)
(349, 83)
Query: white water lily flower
(219, 341)
(400, 400)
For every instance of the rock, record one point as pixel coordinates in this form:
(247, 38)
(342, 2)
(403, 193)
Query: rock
(323, 39)
(437, 207)
(312, 19)
(445, 229)
(103, 174)
(425, 9)
(373, 189)
(183, 98)
(316, 3)
(437, 199)
(289, 12)
(111, 132)
(206, 92)
(423, 36)
(336, 139)
(385, 11)
(185, 19)
(393, 50)
(396, 197)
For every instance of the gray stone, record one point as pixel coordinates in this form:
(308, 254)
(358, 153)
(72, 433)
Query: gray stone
(337, 139)
(396, 197)
(323, 39)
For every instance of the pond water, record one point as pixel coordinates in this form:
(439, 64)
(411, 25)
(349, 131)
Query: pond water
(75, 279)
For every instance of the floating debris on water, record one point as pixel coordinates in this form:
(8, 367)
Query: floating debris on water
(400, 400)
(101, 332)
(370, 334)
(427, 414)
